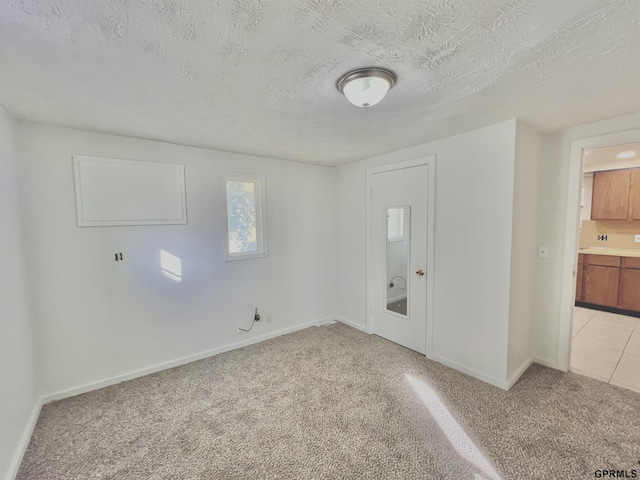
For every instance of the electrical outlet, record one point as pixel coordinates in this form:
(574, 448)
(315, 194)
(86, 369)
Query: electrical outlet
(637, 238)
(269, 318)
(238, 331)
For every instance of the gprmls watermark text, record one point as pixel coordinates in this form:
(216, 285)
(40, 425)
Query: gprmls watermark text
(612, 473)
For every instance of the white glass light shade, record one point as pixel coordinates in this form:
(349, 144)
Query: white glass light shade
(366, 86)
(627, 154)
(367, 91)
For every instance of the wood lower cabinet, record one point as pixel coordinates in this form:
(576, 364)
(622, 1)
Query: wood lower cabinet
(579, 275)
(601, 285)
(629, 296)
(630, 289)
(609, 281)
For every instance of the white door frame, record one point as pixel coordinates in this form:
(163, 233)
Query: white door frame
(571, 236)
(431, 163)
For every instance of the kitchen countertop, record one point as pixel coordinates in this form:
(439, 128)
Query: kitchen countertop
(615, 252)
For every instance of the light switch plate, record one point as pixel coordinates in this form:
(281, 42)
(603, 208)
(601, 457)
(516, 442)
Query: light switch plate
(637, 238)
(543, 252)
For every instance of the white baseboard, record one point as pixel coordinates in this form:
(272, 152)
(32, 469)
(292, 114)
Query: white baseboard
(24, 440)
(353, 324)
(547, 363)
(71, 392)
(511, 381)
(470, 371)
(325, 321)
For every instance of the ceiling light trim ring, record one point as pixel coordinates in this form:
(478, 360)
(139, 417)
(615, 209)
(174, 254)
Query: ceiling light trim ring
(388, 75)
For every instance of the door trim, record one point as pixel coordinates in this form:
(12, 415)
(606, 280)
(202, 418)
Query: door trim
(572, 237)
(431, 197)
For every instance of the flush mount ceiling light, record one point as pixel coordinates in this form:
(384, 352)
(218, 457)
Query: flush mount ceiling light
(627, 154)
(366, 86)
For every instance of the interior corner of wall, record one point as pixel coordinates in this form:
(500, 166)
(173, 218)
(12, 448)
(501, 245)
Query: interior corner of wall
(351, 323)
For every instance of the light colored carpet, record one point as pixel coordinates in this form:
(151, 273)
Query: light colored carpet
(332, 402)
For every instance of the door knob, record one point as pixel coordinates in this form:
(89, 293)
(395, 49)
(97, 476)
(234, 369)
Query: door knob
(420, 273)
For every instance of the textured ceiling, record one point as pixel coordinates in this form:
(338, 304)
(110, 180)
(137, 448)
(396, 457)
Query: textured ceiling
(258, 76)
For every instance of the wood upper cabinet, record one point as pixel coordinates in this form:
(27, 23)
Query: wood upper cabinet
(610, 200)
(634, 195)
(616, 195)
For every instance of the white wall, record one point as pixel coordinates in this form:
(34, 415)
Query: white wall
(351, 252)
(98, 319)
(552, 221)
(18, 391)
(523, 249)
(473, 231)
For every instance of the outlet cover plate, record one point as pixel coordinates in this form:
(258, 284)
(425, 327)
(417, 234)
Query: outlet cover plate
(637, 238)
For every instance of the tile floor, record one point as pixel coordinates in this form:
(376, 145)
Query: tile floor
(606, 346)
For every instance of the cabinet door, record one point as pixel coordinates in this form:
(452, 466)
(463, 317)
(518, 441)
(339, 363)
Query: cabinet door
(579, 273)
(610, 199)
(604, 260)
(634, 195)
(630, 289)
(631, 262)
(601, 285)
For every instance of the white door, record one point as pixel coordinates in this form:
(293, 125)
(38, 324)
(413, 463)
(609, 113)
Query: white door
(400, 253)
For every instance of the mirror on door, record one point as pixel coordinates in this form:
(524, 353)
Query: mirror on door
(397, 259)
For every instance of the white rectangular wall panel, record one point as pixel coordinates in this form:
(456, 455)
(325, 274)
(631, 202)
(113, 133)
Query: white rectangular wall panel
(128, 192)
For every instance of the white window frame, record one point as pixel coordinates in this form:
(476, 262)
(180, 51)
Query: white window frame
(261, 215)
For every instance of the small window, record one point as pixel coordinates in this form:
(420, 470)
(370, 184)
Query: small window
(246, 216)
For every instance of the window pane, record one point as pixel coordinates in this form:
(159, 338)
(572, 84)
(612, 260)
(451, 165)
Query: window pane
(246, 216)
(241, 205)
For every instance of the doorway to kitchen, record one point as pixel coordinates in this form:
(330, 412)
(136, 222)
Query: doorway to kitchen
(605, 328)
(400, 252)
